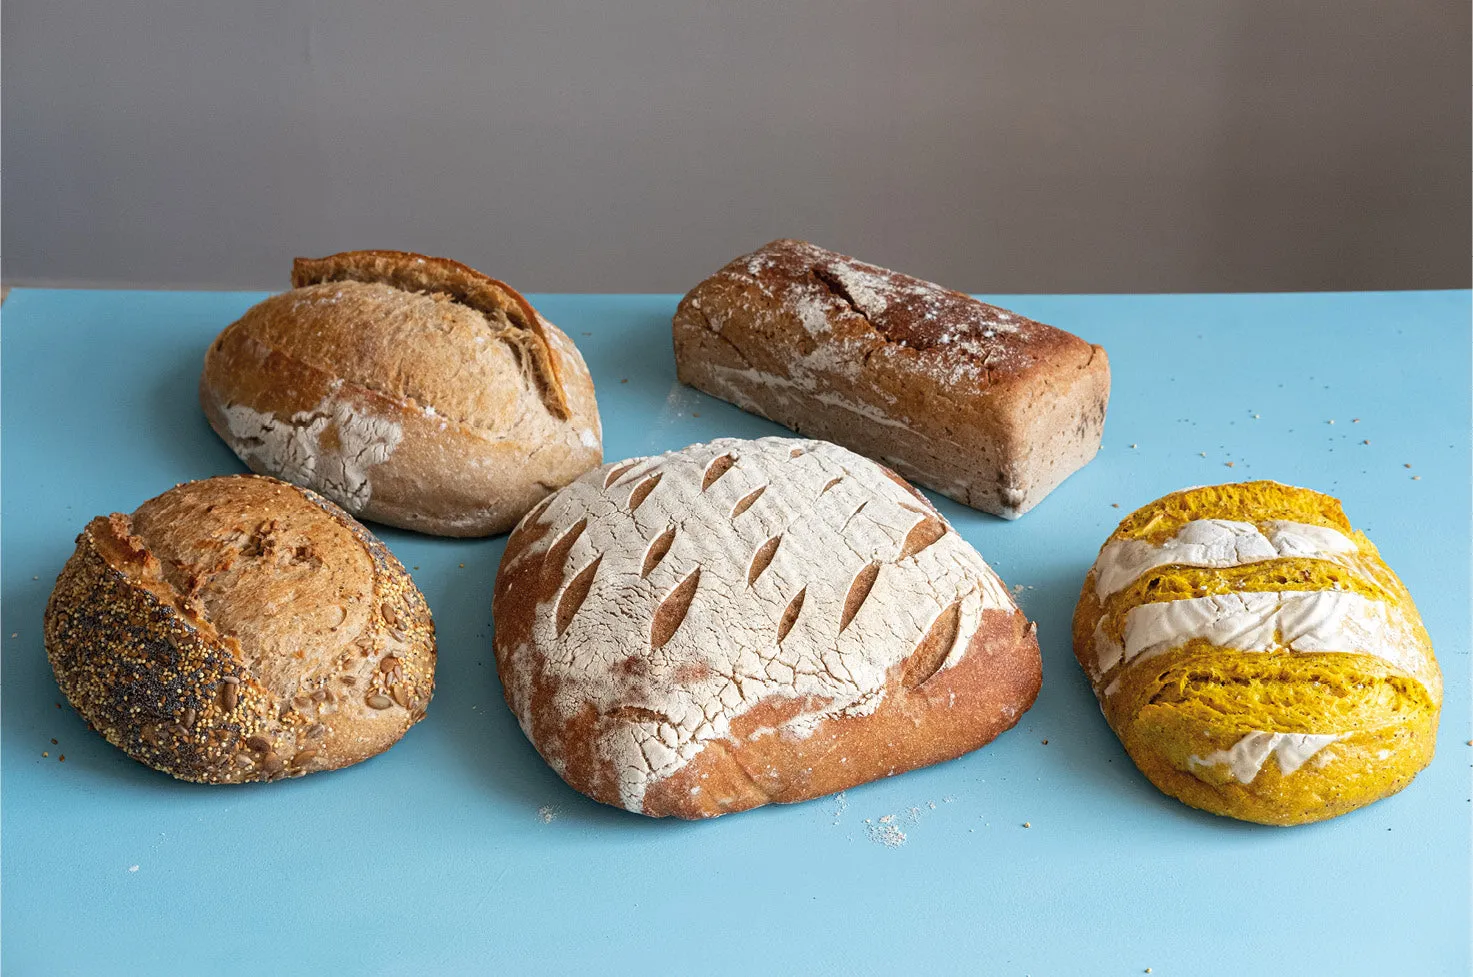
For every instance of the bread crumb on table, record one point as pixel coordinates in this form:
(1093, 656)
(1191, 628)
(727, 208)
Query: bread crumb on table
(885, 833)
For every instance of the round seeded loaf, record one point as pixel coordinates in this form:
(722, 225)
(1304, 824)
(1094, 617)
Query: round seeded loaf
(412, 391)
(745, 622)
(1255, 655)
(237, 629)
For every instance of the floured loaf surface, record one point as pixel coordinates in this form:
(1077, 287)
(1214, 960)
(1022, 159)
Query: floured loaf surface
(978, 403)
(742, 622)
(1256, 656)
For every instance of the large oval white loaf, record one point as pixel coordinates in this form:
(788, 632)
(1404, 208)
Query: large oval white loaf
(750, 621)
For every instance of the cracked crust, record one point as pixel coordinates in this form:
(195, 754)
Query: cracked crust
(240, 629)
(410, 390)
(978, 403)
(745, 622)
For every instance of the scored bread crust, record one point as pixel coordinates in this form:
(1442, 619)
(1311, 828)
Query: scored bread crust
(980, 404)
(418, 273)
(745, 622)
(240, 629)
(411, 390)
(1256, 656)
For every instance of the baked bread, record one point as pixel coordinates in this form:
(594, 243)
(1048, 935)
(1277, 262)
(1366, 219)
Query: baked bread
(743, 622)
(240, 628)
(412, 391)
(1255, 655)
(977, 403)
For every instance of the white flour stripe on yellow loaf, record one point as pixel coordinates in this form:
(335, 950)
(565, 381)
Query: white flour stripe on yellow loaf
(1301, 621)
(1245, 758)
(1215, 543)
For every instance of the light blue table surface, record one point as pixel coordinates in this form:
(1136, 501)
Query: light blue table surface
(460, 852)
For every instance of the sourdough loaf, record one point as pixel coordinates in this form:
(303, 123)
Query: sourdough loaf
(975, 402)
(1256, 656)
(240, 628)
(745, 622)
(412, 391)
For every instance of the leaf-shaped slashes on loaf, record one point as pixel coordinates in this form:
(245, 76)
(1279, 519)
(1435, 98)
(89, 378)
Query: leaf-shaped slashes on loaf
(719, 466)
(921, 535)
(672, 610)
(762, 559)
(864, 582)
(642, 491)
(575, 594)
(745, 502)
(618, 471)
(790, 614)
(557, 555)
(658, 547)
(926, 660)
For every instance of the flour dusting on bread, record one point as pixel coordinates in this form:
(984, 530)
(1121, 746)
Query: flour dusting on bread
(299, 450)
(997, 409)
(695, 587)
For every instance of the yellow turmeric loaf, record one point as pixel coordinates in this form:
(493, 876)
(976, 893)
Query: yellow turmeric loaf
(1255, 655)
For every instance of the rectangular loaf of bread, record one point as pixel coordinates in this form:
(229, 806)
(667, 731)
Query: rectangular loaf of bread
(975, 402)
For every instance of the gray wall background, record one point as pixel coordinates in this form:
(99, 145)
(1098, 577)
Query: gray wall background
(1109, 145)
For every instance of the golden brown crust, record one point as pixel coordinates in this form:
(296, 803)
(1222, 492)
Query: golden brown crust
(980, 404)
(949, 713)
(240, 629)
(409, 407)
(420, 273)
